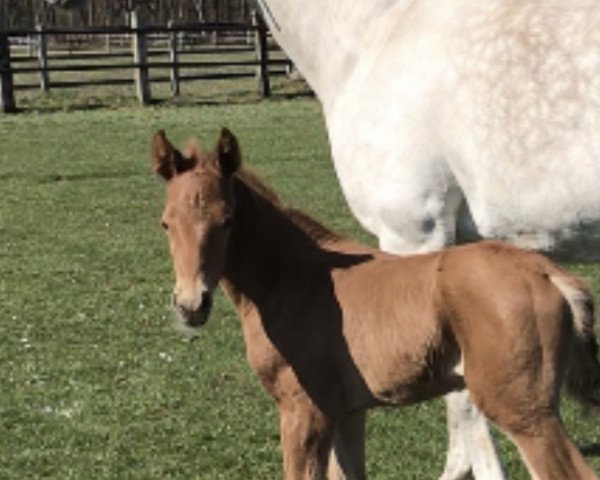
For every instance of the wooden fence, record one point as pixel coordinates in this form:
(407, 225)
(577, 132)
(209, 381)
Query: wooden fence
(238, 50)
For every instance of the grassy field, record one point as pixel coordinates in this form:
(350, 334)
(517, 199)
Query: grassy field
(94, 383)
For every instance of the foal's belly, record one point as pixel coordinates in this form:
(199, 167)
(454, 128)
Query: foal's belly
(410, 392)
(417, 372)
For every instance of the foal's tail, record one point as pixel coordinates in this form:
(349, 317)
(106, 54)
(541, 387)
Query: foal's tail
(583, 376)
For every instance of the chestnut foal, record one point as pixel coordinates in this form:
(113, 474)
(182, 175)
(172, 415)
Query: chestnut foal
(333, 327)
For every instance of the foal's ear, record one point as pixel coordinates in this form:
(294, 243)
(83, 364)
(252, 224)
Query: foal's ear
(228, 152)
(166, 160)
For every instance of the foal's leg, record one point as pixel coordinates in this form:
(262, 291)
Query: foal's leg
(550, 454)
(515, 380)
(306, 439)
(347, 459)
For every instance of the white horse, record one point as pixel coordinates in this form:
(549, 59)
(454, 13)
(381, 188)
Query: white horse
(476, 118)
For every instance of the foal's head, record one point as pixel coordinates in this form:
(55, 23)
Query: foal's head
(197, 218)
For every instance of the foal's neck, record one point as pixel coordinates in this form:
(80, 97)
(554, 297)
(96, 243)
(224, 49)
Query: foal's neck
(264, 246)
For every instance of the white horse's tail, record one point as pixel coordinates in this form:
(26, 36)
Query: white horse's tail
(583, 376)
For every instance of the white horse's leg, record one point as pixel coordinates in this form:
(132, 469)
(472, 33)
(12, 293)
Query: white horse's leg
(470, 445)
(457, 458)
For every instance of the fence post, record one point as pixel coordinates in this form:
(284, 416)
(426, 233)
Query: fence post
(31, 45)
(174, 59)
(42, 54)
(140, 59)
(7, 98)
(262, 55)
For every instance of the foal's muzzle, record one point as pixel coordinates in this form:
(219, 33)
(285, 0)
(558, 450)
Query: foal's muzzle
(194, 317)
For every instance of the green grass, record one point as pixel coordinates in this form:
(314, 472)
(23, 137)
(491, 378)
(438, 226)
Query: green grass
(95, 384)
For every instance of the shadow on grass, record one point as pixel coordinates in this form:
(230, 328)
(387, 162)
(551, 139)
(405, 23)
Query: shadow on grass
(51, 105)
(75, 107)
(77, 177)
(74, 177)
(234, 97)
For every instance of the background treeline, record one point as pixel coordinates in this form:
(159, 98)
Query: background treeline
(26, 13)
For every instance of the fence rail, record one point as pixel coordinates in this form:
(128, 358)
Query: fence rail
(244, 50)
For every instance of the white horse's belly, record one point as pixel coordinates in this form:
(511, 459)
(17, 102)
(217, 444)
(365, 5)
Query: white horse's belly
(513, 125)
(409, 205)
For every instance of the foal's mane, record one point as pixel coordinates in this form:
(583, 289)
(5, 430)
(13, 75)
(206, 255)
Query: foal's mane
(311, 227)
